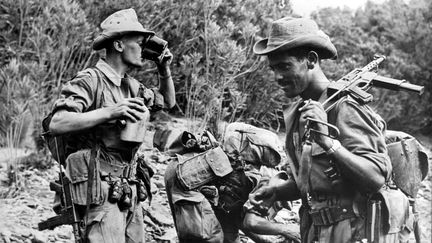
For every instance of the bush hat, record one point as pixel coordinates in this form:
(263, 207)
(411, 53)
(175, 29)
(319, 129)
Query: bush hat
(288, 33)
(118, 24)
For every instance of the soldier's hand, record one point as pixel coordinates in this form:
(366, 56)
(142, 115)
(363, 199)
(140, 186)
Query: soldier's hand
(314, 110)
(130, 108)
(167, 59)
(292, 232)
(265, 192)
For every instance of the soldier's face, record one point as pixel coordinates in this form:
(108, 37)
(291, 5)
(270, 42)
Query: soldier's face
(132, 47)
(290, 73)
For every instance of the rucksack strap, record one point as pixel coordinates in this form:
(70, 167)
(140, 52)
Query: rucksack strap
(100, 86)
(93, 167)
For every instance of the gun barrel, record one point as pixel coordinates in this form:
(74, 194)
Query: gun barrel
(412, 87)
(396, 84)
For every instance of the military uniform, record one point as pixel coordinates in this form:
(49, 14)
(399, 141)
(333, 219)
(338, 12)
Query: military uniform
(194, 218)
(334, 211)
(105, 221)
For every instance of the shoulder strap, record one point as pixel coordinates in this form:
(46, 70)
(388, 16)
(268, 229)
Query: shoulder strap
(100, 85)
(289, 117)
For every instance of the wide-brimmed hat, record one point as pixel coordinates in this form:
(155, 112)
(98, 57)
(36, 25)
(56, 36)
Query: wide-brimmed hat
(118, 24)
(288, 33)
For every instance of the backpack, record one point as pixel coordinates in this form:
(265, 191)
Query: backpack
(256, 145)
(409, 161)
(61, 146)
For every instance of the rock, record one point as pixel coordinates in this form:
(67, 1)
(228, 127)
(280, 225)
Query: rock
(159, 184)
(39, 237)
(63, 233)
(5, 236)
(160, 215)
(154, 228)
(154, 188)
(169, 236)
(51, 238)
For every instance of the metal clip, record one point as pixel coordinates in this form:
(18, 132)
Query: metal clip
(333, 131)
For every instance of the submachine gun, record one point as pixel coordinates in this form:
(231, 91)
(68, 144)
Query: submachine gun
(356, 84)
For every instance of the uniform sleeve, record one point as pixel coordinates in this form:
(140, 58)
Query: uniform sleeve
(362, 133)
(76, 95)
(154, 99)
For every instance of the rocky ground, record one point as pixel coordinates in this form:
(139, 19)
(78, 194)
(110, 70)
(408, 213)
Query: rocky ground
(30, 202)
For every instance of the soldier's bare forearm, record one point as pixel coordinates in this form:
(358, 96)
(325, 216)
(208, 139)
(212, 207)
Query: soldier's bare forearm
(64, 121)
(166, 86)
(260, 225)
(359, 170)
(287, 191)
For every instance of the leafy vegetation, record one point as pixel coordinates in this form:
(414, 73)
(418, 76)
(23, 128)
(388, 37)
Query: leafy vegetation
(403, 33)
(217, 76)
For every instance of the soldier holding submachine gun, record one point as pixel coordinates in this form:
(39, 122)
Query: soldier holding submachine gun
(336, 144)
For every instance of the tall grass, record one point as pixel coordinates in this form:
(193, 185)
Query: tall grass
(43, 44)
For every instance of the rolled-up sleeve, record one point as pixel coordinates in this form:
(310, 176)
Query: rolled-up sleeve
(362, 133)
(76, 95)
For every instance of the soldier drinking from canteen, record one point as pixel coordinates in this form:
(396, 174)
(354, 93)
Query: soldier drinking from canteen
(102, 168)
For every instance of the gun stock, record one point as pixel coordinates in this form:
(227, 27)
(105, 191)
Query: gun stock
(68, 213)
(65, 218)
(55, 187)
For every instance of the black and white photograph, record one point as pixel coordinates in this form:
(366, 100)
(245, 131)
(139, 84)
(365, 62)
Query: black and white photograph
(215, 121)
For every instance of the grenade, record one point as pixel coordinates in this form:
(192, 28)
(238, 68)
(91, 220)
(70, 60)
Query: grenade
(126, 200)
(141, 191)
(115, 191)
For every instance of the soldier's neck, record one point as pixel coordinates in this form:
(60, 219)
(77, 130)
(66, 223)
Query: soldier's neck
(317, 85)
(117, 64)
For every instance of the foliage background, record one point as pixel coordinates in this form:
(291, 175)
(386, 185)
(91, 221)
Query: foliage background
(43, 43)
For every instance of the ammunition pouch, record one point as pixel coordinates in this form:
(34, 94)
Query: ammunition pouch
(117, 170)
(106, 166)
(144, 173)
(331, 215)
(388, 215)
(394, 209)
(198, 170)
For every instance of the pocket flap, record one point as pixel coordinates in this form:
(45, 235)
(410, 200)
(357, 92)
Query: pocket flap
(218, 161)
(396, 211)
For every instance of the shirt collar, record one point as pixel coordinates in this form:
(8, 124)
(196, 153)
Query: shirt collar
(109, 72)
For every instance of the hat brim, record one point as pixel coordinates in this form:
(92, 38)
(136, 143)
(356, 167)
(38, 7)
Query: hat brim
(100, 41)
(327, 49)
